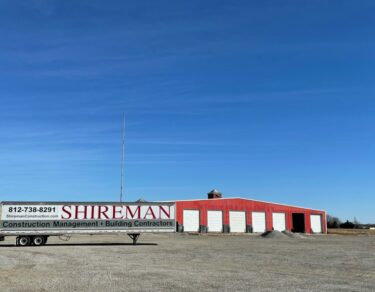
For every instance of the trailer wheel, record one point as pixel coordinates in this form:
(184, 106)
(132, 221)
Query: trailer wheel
(23, 240)
(38, 240)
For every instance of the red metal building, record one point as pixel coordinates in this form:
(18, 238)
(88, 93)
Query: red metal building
(243, 215)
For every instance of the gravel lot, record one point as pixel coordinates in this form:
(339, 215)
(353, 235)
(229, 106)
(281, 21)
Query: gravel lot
(180, 262)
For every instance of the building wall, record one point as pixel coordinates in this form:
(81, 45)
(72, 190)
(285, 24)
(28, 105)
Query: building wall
(249, 206)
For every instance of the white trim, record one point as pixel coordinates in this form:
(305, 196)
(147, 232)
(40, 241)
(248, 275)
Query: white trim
(248, 200)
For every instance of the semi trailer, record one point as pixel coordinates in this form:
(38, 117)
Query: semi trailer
(32, 223)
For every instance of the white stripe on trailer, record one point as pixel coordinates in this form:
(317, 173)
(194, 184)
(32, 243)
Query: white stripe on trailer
(259, 221)
(191, 220)
(279, 222)
(237, 221)
(316, 223)
(215, 221)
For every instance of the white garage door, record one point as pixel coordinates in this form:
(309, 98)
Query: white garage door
(215, 221)
(316, 223)
(259, 221)
(279, 223)
(237, 221)
(191, 220)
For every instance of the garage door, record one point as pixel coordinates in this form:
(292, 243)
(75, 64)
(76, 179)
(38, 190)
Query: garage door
(259, 221)
(237, 221)
(316, 223)
(191, 220)
(215, 221)
(278, 220)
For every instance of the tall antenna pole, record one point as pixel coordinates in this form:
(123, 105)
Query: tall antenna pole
(122, 157)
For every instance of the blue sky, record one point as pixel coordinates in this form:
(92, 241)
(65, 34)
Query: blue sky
(271, 100)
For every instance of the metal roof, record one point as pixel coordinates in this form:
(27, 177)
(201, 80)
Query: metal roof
(247, 199)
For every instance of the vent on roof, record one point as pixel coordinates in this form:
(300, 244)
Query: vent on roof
(215, 194)
(140, 200)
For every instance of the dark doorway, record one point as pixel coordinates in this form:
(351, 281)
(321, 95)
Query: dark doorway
(298, 222)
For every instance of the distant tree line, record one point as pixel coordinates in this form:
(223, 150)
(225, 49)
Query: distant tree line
(334, 222)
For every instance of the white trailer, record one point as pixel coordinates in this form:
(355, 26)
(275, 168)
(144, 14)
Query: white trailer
(33, 222)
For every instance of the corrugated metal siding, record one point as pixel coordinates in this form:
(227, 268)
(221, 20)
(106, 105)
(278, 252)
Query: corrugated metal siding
(248, 206)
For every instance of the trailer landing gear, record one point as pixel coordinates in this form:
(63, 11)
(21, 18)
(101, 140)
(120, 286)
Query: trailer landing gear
(134, 237)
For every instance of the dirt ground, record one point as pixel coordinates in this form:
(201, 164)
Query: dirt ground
(179, 262)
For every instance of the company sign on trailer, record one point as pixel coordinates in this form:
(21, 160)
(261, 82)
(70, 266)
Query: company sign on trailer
(127, 217)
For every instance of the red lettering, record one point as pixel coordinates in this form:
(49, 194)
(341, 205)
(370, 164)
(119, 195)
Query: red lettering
(104, 213)
(116, 212)
(150, 212)
(167, 214)
(67, 212)
(93, 212)
(137, 210)
(84, 212)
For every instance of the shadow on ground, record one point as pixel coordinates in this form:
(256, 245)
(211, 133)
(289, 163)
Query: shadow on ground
(84, 244)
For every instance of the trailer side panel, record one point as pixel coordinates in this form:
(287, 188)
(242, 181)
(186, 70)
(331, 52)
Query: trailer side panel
(86, 217)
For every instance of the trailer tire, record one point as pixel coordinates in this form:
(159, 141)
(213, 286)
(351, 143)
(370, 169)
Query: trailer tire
(23, 240)
(38, 240)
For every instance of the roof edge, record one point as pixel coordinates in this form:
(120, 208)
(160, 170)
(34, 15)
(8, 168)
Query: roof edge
(247, 199)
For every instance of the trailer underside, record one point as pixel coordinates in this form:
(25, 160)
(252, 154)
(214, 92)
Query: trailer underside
(41, 239)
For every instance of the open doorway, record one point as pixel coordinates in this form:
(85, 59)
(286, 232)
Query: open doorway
(298, 222)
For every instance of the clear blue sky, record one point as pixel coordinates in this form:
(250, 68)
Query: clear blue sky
(271, 100)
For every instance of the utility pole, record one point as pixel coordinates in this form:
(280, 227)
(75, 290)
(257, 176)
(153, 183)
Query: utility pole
(122, 157)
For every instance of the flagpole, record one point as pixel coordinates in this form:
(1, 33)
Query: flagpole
(122, 157)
